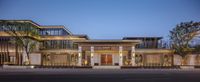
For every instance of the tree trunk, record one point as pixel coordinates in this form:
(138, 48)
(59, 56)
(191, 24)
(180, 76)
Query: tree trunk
(25, 57)
(184, 61)
(28, 57)
(17, 55)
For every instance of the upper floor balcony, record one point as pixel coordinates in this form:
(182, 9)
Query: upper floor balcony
(54, 31)
(58, 44)
(150, 42)
(21, 28)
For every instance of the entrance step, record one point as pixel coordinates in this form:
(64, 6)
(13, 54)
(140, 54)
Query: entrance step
(106, 67)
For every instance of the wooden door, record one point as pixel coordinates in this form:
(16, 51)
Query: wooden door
(103, 59)
(106, 59)
(109, 59)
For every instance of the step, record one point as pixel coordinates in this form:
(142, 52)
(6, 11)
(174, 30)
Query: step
(106, 67)
(17, 67)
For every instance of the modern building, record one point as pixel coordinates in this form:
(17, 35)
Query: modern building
(57, 46)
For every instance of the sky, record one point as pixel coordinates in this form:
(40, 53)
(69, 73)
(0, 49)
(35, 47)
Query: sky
(106, 19)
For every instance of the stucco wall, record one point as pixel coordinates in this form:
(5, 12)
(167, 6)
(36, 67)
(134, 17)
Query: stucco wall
(35, 59)
(177, 60)
(191, 59)
(97, 58)
(115, 59)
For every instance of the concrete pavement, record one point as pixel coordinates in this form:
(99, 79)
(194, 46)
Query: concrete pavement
(100, 75)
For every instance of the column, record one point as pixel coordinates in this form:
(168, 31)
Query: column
(120, 56)
(79, 56)
(92, 55)
(133, 55)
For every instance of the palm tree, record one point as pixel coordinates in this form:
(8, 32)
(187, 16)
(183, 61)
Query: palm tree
(24, 34)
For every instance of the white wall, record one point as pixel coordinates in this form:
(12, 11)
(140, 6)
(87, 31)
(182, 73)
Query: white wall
(35, 59)
(177, 60)
(191, 59)
(115, 58)
(97, 58)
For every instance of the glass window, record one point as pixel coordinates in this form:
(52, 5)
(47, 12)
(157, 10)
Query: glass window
(56, 32)
(59, 32)
(53, 32)
(1, 29)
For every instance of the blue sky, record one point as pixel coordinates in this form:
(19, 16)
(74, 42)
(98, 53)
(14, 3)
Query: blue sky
(105, 19)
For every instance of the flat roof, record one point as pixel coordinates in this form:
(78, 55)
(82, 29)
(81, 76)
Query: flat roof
(140, 38)
(81, 36)
(30, 21)
(109, 41)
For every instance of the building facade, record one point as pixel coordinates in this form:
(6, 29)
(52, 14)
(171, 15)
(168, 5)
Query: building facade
(57, 46)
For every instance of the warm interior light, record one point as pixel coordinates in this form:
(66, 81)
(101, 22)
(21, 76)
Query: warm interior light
(92, 54)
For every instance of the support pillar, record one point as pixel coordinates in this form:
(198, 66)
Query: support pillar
(120, 56)
(133, 55)
(79, 56)
(92, 55)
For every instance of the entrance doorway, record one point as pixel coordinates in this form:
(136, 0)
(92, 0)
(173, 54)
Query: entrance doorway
(106, 59)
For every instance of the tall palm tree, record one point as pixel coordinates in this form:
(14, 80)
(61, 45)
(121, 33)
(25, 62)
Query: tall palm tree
(24, 34)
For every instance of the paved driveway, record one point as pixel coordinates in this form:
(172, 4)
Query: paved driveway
(99, 75)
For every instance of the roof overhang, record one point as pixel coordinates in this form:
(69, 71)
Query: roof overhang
(108, 41)
(23, 21)
(141, 38)
(56, 26)
(154, 51)
(81, 36)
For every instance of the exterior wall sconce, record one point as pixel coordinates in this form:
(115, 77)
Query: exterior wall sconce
(79, 54)
(120, 54)
(92, 54)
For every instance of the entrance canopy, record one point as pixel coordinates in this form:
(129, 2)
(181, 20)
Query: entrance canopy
(120, 53)
(107, 42)
(106, 52)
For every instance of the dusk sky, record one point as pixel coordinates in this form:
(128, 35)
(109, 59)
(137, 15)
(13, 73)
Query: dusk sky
(105, 19)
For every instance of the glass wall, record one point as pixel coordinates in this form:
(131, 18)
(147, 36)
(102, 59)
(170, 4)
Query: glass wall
(24, 27)
(156, 59)
(63, 59)
(148, 43)
(86, 58)
(127, 59)
(139, 59)
(4, 50)
(18, 27)
(148, 60)
(53, 32)
(58, 44)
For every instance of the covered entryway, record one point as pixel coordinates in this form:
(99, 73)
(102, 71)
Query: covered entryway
(105, 53)
(106, 59)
